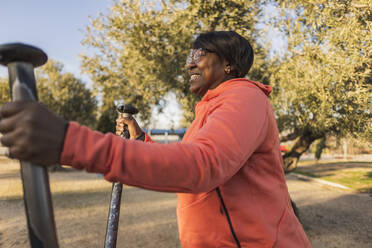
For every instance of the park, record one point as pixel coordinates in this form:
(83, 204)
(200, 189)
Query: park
(316, 58)
(332, 216)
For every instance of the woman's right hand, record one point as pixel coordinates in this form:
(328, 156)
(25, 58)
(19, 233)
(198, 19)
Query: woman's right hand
(134, 129)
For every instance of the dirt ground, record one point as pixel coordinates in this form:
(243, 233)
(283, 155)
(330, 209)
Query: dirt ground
(331, 217)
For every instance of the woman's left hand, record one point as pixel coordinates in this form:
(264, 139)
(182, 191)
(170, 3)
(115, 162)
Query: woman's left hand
(134, 129)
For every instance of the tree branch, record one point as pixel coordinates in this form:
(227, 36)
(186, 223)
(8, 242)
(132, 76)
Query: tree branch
(288, 137)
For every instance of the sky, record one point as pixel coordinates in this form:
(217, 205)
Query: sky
(57, 27)
(54, 26)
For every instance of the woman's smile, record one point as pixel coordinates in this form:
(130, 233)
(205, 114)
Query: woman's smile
(194, 77)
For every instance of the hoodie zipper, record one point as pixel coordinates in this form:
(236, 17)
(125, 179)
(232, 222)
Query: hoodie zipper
(228, 218)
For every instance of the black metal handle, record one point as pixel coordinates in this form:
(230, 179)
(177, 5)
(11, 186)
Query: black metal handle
(21, 60)
(114, 210)
(127, 110)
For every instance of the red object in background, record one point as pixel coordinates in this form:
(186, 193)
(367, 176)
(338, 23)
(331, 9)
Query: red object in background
(283, 148)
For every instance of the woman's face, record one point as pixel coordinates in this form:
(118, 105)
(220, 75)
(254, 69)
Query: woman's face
(206, 71)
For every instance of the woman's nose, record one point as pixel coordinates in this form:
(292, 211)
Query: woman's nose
(191, 65)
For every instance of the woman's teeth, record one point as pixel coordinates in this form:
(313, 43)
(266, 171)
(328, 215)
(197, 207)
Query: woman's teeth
(194, 77)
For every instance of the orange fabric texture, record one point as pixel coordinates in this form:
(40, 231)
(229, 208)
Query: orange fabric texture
(232, 144)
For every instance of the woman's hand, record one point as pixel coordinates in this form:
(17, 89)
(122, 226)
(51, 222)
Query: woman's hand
(134, 129)
(32, 132)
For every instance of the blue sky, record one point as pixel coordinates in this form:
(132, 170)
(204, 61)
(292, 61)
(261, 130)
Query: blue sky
(57, 28)
(54, 26)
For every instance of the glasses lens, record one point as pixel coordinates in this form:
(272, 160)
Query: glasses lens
(195, 56)
(190, 57)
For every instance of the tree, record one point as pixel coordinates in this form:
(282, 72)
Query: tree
(322, 86)
(107, 121)
(4, 91)
(62, 92)
(141, 48)
(65, 94)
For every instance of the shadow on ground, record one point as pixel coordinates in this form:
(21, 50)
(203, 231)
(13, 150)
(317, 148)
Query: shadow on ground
(339, 226)
(332, 217)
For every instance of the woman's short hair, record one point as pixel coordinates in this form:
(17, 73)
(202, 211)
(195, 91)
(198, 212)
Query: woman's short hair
(230, 46)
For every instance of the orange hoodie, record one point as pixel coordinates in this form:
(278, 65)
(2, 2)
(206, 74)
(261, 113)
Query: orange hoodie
(232, 145)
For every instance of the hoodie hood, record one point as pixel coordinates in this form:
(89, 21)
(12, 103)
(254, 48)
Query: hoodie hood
(266, 89)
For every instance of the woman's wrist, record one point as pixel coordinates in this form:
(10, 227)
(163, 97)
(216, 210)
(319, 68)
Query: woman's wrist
(141, 136)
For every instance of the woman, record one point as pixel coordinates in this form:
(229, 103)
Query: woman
(227, 170)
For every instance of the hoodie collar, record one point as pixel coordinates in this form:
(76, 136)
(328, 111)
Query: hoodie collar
(229, 83)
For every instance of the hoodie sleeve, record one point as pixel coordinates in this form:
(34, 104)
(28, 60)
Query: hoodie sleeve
(233, 130)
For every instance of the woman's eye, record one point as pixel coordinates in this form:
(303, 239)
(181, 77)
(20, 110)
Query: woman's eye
(203, 53)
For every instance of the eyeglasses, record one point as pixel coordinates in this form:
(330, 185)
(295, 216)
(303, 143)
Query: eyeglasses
(196, 55)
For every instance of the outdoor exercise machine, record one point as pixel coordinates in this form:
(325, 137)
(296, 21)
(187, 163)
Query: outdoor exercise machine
(21, 59)
(126, 110)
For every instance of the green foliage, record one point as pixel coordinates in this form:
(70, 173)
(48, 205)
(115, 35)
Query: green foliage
(141, 48)
(107, 120)
(4, 91)
(65, 94)
(323, 83)
(61, 92)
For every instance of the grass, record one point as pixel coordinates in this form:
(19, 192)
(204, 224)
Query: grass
(355, 175)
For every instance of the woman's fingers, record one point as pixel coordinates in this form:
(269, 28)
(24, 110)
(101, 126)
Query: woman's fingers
(32, 132)
(133, 127)
(126, 120)
(119, 126)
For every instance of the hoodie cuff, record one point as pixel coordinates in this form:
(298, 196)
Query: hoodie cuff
(68, 150)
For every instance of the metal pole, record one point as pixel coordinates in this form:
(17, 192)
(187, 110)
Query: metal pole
(114, 211)
(21, 60)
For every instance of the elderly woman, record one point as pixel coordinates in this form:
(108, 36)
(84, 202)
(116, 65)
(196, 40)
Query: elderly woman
(227, 170)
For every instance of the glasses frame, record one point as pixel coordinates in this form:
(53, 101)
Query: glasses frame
(195, 55)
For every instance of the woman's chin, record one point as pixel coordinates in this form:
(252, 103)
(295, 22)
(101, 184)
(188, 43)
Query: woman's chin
(196, 91)
(192, 89)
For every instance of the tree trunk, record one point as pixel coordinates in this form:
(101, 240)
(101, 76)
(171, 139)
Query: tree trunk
(301, 145)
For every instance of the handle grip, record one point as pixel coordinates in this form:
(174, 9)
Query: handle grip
(35, 179)
(125, 134)
(116, 192)
(21, 60)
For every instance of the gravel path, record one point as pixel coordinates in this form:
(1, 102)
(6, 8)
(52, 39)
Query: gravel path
(332, 217)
